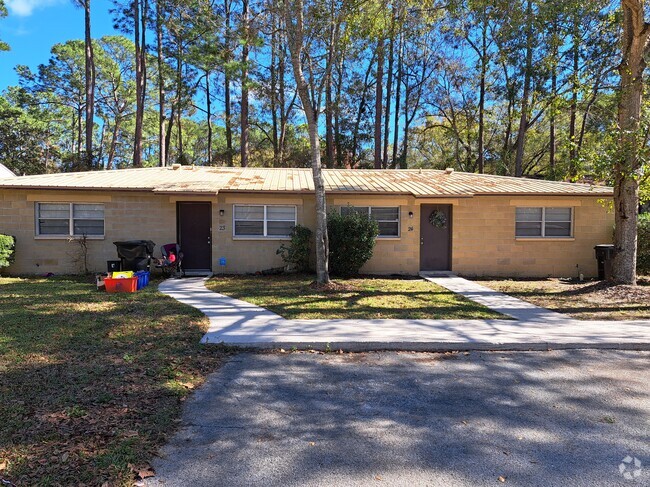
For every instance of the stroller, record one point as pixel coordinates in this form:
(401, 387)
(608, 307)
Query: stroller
(171, 262)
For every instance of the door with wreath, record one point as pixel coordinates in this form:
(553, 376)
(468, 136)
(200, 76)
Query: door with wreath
(435, 237)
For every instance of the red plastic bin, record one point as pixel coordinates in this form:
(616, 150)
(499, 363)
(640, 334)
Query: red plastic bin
(124, 285)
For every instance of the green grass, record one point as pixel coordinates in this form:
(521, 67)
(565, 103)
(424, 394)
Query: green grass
(293, 297)
(91, 384)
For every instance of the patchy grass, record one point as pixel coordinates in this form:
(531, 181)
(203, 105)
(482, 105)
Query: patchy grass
(294, 297)
(587, 300)
(91, 383)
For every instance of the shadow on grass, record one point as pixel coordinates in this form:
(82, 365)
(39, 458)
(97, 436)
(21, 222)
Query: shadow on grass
(293, 297)
(91, 383)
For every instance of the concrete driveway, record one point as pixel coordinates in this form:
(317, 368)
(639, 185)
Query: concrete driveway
(564, 418)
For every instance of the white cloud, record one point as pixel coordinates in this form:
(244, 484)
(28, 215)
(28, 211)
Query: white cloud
(25, 8)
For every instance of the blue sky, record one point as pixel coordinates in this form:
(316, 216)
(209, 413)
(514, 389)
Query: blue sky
(34, 26)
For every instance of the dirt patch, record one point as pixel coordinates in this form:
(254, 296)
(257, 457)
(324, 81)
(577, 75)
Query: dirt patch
(589, 300)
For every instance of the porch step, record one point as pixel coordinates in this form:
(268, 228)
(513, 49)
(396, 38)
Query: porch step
(197, 273)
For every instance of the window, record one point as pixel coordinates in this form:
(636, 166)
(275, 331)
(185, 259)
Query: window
(70, 219)
(263, 220)
(544, 222)
(387, 217)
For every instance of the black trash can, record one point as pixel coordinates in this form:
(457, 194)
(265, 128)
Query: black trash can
(135, 254)
(113, 266)
(604, 256)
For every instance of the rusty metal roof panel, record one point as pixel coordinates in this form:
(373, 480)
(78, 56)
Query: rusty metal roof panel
(415, 182)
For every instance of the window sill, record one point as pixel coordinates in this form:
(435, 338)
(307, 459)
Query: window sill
(68, 237)
(545, 239)
(262, 238)
(388, 238)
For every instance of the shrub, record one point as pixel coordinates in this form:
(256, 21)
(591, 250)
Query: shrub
(296, 254)
(643, 245)
(351, 241)
(7, 249)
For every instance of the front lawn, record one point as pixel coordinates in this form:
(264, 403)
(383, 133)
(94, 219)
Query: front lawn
(587, 300)
(91, 383)
(294, 297)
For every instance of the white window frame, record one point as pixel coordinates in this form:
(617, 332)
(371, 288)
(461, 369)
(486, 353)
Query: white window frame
(543, 222)
(398, 221)
(71, 220)
(265, 235)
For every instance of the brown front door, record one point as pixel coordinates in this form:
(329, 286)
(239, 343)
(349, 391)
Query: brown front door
(435, 238)
(195, 234)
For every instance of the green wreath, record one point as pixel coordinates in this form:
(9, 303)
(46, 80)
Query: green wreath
(438, 219)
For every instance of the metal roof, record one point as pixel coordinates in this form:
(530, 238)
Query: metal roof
(212, 180)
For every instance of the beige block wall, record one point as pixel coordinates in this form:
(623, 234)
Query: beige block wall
(483, 233)
(484, 242)
(127, 216)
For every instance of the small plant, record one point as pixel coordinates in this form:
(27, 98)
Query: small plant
(296, 254)
(351, 240)
(80, 254)
(7, 250)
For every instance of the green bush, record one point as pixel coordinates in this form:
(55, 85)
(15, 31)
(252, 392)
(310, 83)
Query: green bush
(351, 240)
(7, 249)
(643, 244)
(296, 254)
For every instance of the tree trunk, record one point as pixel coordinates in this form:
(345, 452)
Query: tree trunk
(139, 87)
(208, 108)
(293, 12)
(362, 105)
(227, 105)
(523, 121)
(389, 86)
(329, 128)
(113, 146)
(481, 97)
(627, 165)
(90, 87)
(573, 110)
(162, 154)
(244, 87)
(337, 113)
(273, 92)
(398, 93)
(379, 100)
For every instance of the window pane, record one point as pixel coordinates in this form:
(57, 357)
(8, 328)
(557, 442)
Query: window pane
(558, 229)
(95, 212)
(281, 213)
(88, 227)
(249, 228)
(528, 229)
(381, 213)
(277, 229)
(249, 213)
(361, 210)
(53, 227)
(558, 214)
(54, 210)
(529, 214)
(388, 229)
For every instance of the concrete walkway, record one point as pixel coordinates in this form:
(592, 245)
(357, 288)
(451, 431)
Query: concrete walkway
(238, 323)
(496, 301)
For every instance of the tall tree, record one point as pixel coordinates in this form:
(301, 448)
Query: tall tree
(244, 126)
(628, 165)
(89, 68)
(139, 13)
(294, 13)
